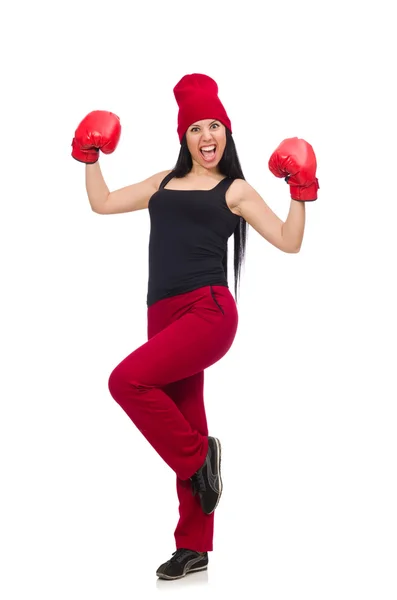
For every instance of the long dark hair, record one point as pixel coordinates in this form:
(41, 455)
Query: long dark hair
(229, 166)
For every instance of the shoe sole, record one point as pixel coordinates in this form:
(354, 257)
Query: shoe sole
(168, 577)
(219, 454)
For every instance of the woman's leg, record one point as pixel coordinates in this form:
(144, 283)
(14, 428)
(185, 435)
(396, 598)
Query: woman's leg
(195, 529)
(204, 329)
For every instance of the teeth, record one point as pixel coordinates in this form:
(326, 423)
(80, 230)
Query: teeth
(208, 148)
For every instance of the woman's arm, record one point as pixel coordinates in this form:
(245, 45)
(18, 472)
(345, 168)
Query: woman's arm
(96, 187)
(128, 199)
(286, 236)
(294, 226)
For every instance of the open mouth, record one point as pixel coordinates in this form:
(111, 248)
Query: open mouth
(208, 152)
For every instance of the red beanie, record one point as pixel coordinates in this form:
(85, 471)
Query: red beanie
(197, 98)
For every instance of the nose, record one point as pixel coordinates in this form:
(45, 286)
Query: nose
(207, 135)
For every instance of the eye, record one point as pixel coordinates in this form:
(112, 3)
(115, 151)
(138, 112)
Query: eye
(194, 128)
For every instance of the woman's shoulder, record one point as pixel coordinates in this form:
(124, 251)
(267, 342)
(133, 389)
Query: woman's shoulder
(238, 187)
(160, 176)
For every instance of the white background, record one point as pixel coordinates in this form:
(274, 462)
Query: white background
(304, 402)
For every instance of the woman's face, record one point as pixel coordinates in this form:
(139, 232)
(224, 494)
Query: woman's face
(206, 141)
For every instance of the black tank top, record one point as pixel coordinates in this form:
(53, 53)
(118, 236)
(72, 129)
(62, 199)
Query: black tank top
(189, 232)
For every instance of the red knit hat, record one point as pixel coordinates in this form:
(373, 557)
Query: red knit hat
(197, 98)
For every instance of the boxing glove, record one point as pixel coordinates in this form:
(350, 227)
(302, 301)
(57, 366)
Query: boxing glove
(294, 159)
(99, 130)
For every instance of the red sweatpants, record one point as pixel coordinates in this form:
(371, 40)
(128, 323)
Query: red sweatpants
(160, 387)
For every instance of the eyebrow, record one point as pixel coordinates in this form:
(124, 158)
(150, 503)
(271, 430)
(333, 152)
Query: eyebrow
(214, 121)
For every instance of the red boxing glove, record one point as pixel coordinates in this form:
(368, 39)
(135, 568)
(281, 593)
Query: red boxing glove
(99, 130)
(294, 159)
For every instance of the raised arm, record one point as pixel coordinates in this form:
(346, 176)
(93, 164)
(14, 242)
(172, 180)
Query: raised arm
(286, 236)
(99, 132)
(295, 161)
(127, 199)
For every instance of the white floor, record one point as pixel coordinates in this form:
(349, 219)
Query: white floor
(98, 529)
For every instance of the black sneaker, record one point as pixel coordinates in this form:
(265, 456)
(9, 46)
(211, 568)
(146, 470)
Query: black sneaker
(181, 563)
(207, 482)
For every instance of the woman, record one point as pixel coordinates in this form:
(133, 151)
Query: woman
(192, 316)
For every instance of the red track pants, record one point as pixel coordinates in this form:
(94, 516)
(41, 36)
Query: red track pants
(160, 387)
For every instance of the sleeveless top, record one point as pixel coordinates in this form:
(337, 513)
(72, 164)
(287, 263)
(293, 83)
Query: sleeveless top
(189, 232)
